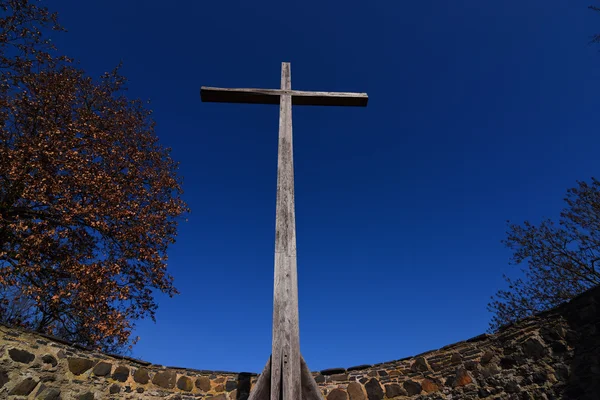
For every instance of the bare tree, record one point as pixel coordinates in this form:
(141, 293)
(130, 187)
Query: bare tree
(560, 260)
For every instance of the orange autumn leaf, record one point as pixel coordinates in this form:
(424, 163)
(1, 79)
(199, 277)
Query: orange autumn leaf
(89, 199)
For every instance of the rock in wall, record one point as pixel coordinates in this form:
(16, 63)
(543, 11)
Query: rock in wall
(554, 355)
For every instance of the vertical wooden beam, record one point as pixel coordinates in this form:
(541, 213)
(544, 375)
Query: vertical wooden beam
(286, 376)
(285, 356)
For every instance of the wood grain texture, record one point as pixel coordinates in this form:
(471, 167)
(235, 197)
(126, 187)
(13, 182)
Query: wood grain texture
(286, 376)
(310, 389)
(285, 367)
(273, 96)
(262, 387)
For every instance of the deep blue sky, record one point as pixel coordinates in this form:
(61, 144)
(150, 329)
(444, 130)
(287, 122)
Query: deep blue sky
(479, 112)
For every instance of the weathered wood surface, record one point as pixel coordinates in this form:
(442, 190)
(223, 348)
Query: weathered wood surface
(262, 387)
(286, 376)
(274, 96)
(285, 356)
(309, 388)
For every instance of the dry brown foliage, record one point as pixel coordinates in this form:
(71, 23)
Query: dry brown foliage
(89, 200)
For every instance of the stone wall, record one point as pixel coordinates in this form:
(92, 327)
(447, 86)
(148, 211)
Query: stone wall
(555, 355)
(38, 367)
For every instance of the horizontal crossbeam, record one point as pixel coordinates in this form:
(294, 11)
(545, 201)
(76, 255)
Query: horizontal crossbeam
(272, 96)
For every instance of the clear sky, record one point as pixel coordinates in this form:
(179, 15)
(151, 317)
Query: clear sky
(480, 112)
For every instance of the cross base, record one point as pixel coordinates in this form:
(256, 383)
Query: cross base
(309, 388)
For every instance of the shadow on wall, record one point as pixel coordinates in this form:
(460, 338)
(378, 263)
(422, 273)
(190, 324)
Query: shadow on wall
(583, 336)
(243, 385)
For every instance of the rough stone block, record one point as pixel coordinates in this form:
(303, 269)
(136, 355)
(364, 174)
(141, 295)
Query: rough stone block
(420, 365)
(165, 379)
(337, 394)
(333, 371)
(412, 388)
(24, 387)
(121, 373)
(339, 377)
(3, 378)
(185, 383)
(141, 376)
(86, 396)
(463, 377)
(355, 391)
(512, 387)
(203, 383)
(487, 357)
(429, 385)
(79, 365)
(534, 348)
(49, 394)
(393, 390)
(230, 385)
(102, 369)
(22, 356)
(359, 367)
(508, 362)
(49, 359)
(374, 390)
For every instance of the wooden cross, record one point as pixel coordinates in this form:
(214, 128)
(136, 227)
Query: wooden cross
(286, 376)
